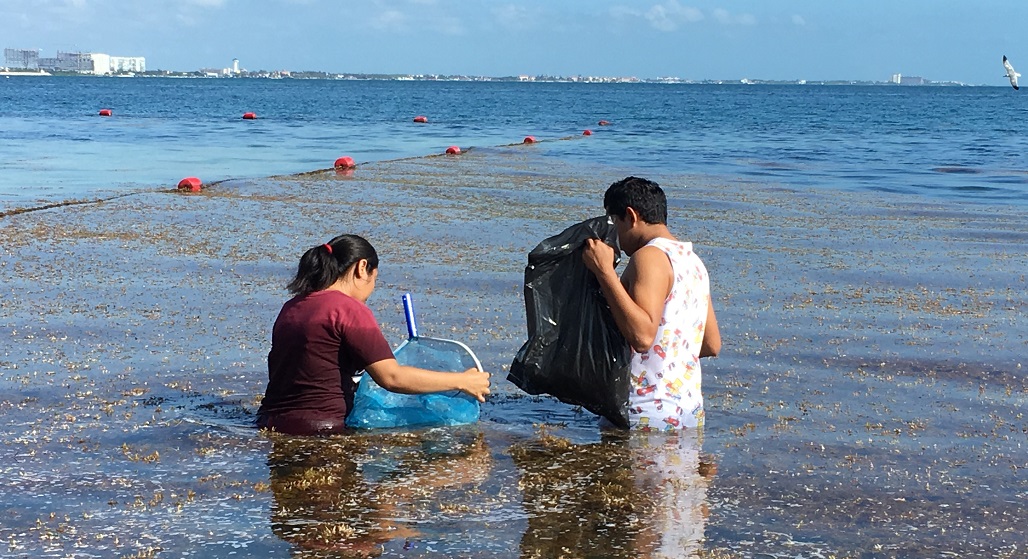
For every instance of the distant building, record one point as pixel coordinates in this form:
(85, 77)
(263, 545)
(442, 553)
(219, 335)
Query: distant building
(912, 80)
(235, 66)
(68, 62)
(896, 79)
(27, 59)
(106, 64)
(83, 62)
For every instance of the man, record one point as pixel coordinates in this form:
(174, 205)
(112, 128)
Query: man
(661, 304)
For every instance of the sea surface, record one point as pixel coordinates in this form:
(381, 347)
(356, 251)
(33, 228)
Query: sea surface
(866, 248)
(966, 143)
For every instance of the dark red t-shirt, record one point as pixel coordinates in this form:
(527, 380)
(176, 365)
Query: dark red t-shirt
(318, 343)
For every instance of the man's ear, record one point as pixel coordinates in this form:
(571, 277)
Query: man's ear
(632, 216)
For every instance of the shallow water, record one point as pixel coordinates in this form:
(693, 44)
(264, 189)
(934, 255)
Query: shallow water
(868, 401)
(921, 142)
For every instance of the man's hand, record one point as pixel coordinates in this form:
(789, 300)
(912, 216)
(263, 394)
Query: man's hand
(598, 257)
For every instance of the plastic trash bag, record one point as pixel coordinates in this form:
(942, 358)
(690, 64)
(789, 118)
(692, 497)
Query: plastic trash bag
(574, 351)
(375, 407)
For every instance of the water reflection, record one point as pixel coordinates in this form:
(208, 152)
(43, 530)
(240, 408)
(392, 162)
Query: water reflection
(351, 495)
(467, 493)
(637, 495)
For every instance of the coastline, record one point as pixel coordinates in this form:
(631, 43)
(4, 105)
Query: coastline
(869, 387)
(9, 73)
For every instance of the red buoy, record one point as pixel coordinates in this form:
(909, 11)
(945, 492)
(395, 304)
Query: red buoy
(249, 116)
(529, 139)
(345, 162)
(421, 118)
(192, 184)
(105, 112)
(587, 133)
(453, 150)
(604, 123)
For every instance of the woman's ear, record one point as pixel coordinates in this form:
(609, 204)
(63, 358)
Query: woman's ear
(360, 269)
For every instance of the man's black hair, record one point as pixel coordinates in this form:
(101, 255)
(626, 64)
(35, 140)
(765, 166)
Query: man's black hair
(645, 196)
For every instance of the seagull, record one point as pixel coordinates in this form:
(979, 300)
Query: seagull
(1011, 74)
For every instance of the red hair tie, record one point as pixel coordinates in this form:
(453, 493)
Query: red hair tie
(328, 247)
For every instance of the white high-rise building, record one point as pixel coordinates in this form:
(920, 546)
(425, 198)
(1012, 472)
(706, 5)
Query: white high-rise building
(235, 66)
(107, 64)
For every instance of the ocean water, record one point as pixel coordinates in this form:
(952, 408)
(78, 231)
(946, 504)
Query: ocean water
(963, 143)
(866, 250)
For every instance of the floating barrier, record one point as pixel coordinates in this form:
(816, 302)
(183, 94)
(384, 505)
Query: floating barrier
(604, 123)
(106, 112)
(192, 184)
(453, 150)
(529, 139)
(421, 118)
(249, 116)
(587, 133)
(345, 162)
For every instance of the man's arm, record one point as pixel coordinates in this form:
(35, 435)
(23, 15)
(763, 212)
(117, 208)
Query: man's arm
(638, 303)
(711, 345)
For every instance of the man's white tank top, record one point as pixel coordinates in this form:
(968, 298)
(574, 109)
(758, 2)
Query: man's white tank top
(665, 380)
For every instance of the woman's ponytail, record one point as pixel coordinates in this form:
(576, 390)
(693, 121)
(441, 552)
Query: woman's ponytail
(322, 265)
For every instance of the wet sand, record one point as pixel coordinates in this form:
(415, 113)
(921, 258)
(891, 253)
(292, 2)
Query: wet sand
(868, 401)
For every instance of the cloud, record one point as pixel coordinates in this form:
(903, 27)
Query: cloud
(406, 16)
(448, 25)
(47, 16)
(389, 20)
(798, 20)
(667, 16)
(723, 16)
(515, 16)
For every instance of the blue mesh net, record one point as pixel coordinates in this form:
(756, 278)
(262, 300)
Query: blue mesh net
(376, 408)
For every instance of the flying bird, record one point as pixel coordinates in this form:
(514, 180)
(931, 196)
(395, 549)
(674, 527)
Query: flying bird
(1011, 74)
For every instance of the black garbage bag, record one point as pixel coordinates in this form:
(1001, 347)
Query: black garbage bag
(574, 351)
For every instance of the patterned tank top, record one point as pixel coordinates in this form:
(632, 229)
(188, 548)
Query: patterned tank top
(665, 380)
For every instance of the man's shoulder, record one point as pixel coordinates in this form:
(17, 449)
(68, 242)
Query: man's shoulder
(650, 256)
(647, 264)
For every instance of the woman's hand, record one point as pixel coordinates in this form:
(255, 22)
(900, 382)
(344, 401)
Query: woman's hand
(475, 383)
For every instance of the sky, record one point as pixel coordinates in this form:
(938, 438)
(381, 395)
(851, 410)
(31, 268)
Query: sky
(942, 40)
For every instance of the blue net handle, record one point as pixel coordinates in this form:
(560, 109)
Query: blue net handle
(376, 408)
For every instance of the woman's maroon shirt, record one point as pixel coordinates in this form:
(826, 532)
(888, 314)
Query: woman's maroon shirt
(318, 343)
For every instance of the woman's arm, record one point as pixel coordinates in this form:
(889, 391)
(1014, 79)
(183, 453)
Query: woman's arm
(404, 379)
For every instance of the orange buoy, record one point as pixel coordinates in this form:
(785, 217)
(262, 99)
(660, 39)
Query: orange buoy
(604, 123)
(529, 139)
(192, 184)
(345, 162)
(421, 118)
(587, 133)
(453, 150)
(106, 112)
(249, 116)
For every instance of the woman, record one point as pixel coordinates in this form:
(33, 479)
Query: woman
(326, 333)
